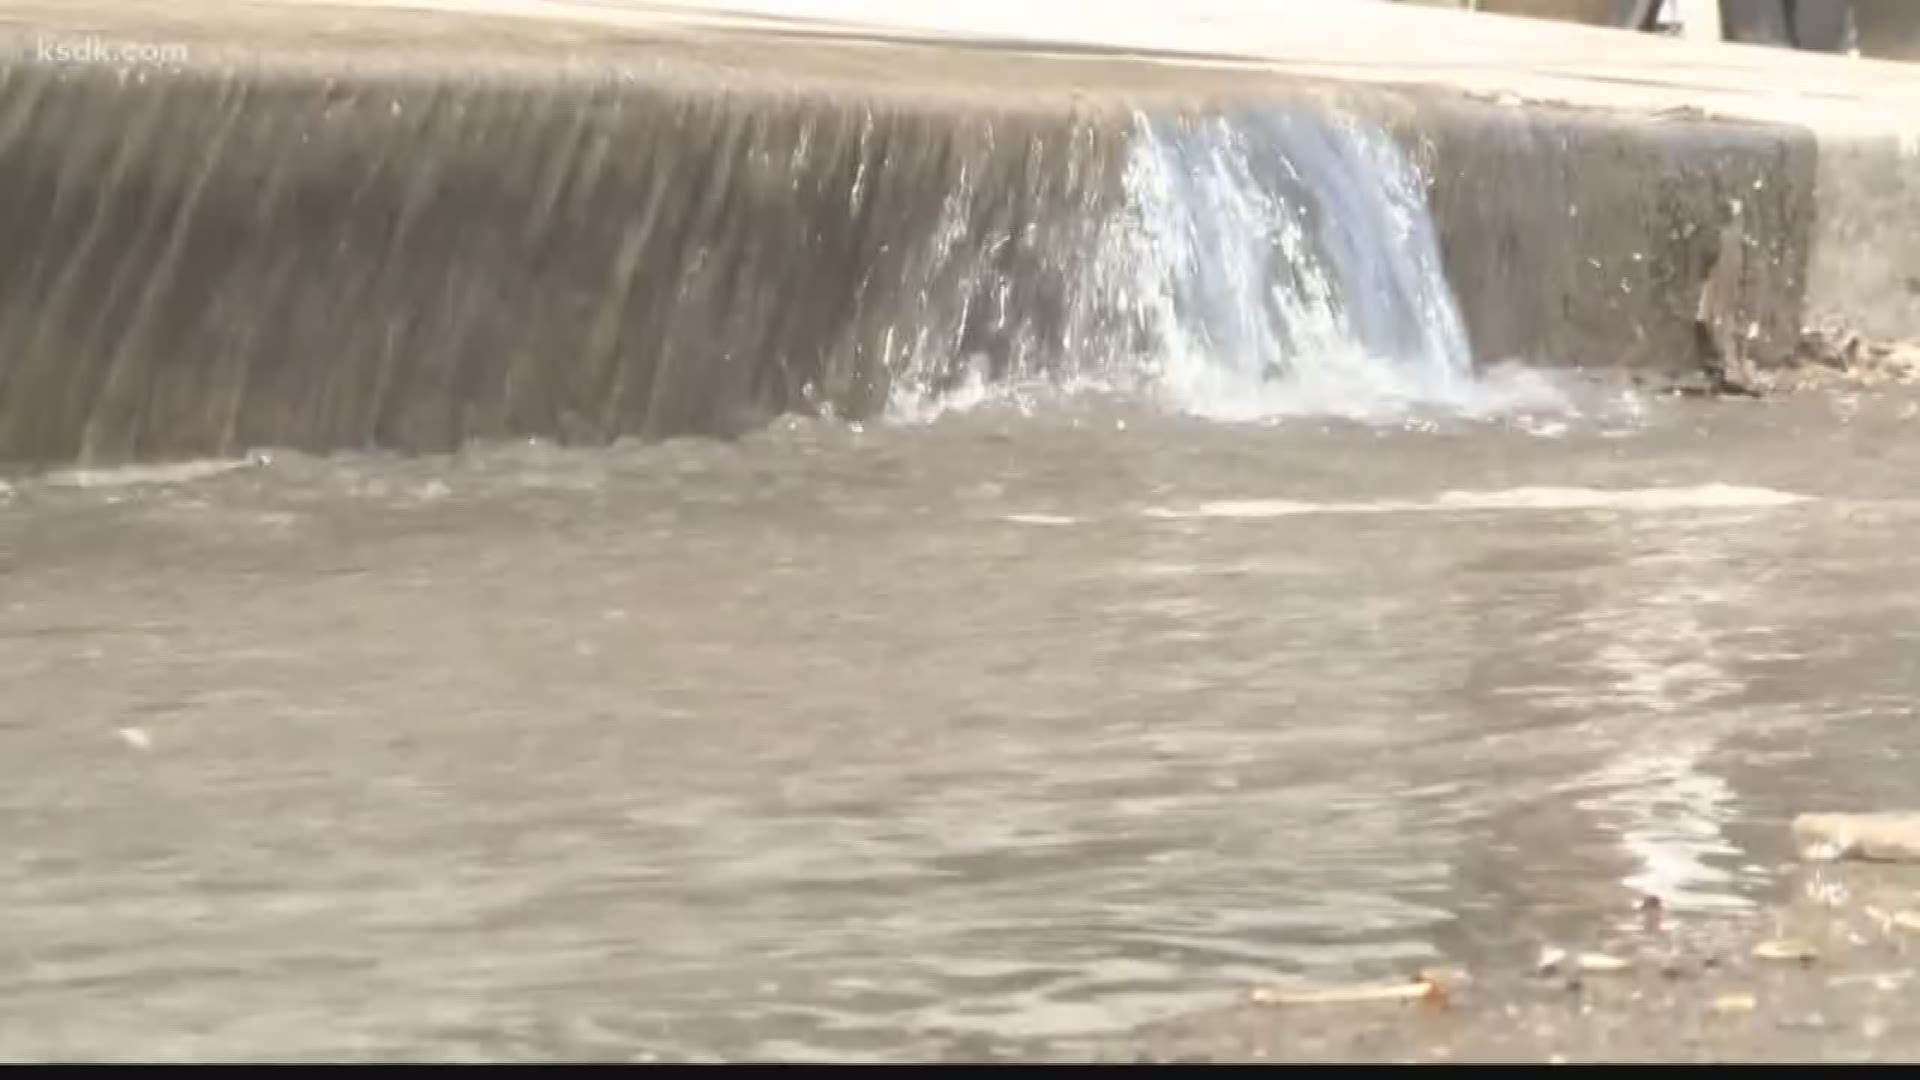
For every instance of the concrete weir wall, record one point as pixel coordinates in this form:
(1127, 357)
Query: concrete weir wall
(1578, 238)
(214, 260)
(417, 237)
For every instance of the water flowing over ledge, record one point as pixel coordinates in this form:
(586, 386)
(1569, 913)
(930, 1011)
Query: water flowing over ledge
(1264, 262)
(270, 253)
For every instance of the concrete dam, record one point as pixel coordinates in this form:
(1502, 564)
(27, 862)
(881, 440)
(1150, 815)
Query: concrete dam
(323, 227)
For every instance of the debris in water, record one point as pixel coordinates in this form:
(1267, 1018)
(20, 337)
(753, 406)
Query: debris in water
(1907, 920)
(1417, 990)
(1651, 910)
(1601, 963)
(1884, 837)
(136, 738)
(1556, 961)
(1835, 354)
(1729, 1004)
(1442, 984)
(1786, 950)
(1339, 995)
(1550, 961)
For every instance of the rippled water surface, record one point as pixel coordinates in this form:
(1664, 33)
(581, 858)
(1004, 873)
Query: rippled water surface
(865, 743)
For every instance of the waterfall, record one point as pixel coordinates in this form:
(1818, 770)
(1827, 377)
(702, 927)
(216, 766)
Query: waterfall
(1262, 263)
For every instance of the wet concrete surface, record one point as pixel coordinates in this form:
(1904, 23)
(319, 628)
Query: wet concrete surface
(355, 226)
(1026, 728)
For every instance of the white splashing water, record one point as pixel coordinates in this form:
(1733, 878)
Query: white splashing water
(1285, 273)
(1265, 265)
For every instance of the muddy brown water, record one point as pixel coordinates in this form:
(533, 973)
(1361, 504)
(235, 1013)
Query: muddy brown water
(862, 743)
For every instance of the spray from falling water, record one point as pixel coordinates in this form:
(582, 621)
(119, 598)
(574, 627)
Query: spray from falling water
(1288, 267)
(1262, 264)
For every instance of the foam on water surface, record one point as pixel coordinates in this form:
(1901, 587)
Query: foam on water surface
(127, 476)
(1632, 500)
